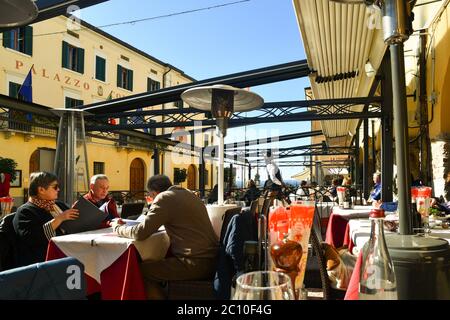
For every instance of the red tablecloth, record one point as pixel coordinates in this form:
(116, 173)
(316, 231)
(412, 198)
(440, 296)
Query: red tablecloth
(353, 286)
(120, 281)
(336, 230)
(348, 239)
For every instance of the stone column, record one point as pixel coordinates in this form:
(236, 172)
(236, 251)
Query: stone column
(440, 154)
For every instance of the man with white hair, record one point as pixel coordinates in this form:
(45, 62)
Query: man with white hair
(98, 195)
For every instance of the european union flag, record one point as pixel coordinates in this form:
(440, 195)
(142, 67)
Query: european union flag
(26, 90)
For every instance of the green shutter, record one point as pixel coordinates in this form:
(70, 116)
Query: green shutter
(130, 80)
(119, 76)
(79, 103)
(29, 40)
(80, 53)
(100, 68)
(65, 55)
(68, 103)
(14, 90)
(7, 39)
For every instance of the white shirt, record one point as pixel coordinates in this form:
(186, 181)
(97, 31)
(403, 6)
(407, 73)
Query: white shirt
(272, 170)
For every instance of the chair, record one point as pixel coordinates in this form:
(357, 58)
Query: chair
(131, 209)
(199, 289)
(241, 228)
(61, 279)
(254, 207)
(8, 254)
(316, 275)
(263, 227)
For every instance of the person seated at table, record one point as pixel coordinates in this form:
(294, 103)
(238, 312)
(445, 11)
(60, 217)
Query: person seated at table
(303, 191)
(193, 242)
(375, 194)
(214, 194)
(98, 195)
(252, 193)
(39, 219)
(333, 189)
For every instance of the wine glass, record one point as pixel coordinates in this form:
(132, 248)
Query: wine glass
(264, 285)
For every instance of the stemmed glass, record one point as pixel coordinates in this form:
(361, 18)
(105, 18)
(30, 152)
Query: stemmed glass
(264, 285)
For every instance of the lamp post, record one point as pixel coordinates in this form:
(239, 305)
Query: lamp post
(222, 101)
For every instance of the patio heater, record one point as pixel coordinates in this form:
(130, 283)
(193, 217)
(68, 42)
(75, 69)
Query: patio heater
(15, 13)
(71, 162)
(222, 101)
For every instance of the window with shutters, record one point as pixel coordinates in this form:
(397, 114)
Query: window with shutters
(19, 39)
(72, 57)
(71, 103)
(18, 120)
(100, 68)
(178, 104)
(124, 78)
(153, 85)
(99, 168)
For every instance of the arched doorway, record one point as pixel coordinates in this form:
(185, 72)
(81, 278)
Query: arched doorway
(34, 161)
(192, 177)
(137, 178)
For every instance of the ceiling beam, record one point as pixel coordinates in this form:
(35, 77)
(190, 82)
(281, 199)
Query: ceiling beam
(281, 72)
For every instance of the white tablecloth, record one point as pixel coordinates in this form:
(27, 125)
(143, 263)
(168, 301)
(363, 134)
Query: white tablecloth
(360, 233)
(216, 214)
(355, 213)
(98, 249)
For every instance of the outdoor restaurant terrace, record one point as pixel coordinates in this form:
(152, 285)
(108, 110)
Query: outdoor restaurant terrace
(377, 105)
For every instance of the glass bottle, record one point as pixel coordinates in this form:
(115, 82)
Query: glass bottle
(377, 278)
(348, 199)
(416, 217)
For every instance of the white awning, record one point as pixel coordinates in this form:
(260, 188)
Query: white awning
(341, 41)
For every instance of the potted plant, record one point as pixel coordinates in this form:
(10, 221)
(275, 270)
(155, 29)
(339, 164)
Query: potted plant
(7, 175)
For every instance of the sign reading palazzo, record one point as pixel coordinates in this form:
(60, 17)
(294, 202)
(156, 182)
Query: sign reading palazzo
(66, 79)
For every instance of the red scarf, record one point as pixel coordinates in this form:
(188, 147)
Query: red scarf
(43, 204)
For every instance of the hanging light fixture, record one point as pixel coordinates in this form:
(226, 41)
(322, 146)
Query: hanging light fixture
(15, 13)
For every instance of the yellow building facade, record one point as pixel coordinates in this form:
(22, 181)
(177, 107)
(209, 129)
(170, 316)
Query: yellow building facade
(80, 65)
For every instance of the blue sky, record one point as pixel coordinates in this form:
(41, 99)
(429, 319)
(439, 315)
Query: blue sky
(216, 42)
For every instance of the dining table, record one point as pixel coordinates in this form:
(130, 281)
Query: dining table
(111, 262)
(337, 229)
(359, 234)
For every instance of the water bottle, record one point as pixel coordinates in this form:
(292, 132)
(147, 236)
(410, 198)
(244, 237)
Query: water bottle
(377, 278)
